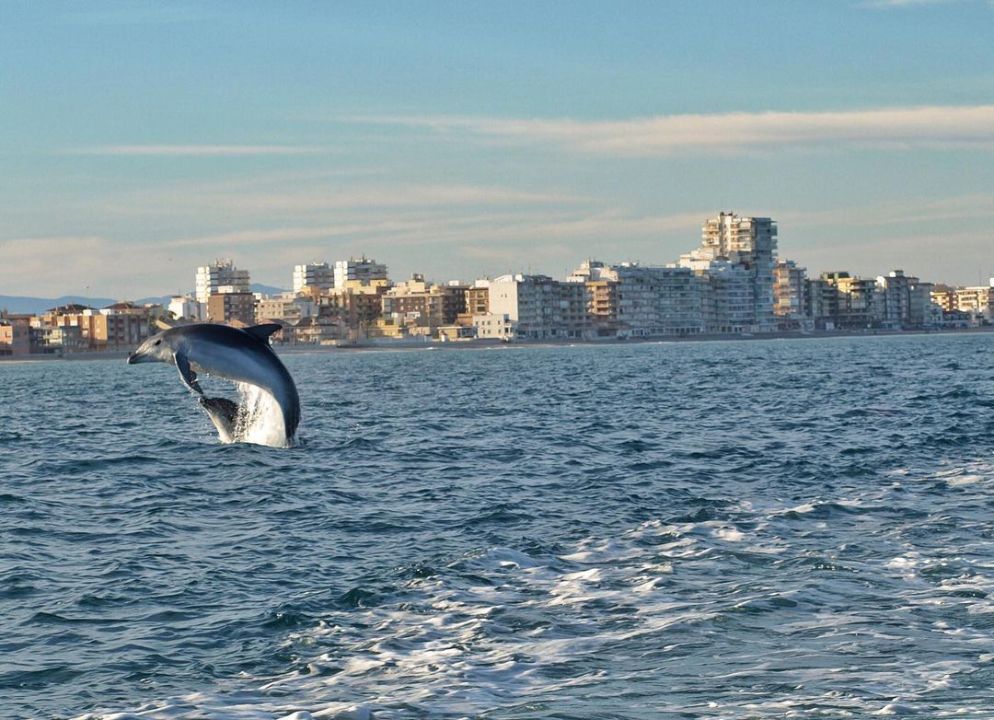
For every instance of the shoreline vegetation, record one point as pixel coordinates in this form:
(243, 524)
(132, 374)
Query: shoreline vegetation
(477, 344)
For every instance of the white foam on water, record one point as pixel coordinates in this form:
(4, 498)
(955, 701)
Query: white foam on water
(260, 420)
(453, 645)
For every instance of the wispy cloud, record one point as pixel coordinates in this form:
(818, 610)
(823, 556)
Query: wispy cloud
(317, 199)
(199, 150)
(894, 128)
(906, 3)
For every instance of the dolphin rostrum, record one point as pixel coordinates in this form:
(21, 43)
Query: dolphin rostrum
(227, 352)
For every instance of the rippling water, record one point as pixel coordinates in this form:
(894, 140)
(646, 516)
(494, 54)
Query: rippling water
(737, 530)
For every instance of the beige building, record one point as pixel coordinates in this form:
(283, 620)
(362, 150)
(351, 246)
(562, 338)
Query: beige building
(286, 308)
(15, 337)
(232, 308)
(788, 290)
(119, 325)
(422, 304)
(977, 301)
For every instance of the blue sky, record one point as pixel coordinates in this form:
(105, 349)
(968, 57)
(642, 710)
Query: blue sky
(463, 139)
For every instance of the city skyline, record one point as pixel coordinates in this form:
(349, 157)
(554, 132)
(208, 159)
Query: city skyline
(461, 140)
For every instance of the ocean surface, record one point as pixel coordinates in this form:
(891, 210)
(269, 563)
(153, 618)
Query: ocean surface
(769, 529)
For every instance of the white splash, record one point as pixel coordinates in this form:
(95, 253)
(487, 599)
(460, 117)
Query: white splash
(259, 420)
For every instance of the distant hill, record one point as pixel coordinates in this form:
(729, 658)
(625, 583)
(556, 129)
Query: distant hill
(22, 304)
(266, 289)
(34, 305)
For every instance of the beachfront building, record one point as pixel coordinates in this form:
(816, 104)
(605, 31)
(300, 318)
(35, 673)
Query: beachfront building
(219, 277)
(313, 275)
(977, 302)
(48, 339)
(751, 244)
(647, 301)
(904, 301)
(363, 271)
(851, 301)
(317, 330)
(490, 326)
(944, 298)
(894, 298)
(727, 296)
(788, 294)
(540, 308)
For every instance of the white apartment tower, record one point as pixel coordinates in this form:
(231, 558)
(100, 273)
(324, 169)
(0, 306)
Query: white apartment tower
(362, 270)
(750, 242)
(313, 275)
(220, 277)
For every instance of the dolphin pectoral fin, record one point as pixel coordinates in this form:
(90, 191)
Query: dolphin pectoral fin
(186, 373)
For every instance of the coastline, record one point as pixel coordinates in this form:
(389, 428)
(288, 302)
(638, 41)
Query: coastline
(402, 346)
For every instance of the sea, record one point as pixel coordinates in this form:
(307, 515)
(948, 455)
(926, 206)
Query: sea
(744, 529)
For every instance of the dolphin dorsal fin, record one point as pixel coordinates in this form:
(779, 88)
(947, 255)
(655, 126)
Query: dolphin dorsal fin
(263, 331)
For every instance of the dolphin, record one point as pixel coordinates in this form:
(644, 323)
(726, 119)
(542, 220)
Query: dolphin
(224, 414)
(240, 355)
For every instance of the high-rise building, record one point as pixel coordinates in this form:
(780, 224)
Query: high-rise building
(362, 270)
(750, 242)
(313, 275)
(220, 277)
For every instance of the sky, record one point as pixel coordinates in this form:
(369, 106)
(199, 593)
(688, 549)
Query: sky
(470, 139)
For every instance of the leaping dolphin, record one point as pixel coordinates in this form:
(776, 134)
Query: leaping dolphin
(227, 352)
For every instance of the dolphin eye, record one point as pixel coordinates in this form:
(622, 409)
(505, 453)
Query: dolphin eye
(158, 342)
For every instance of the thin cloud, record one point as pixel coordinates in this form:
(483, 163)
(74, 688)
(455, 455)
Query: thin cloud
(906, 3)
(886, 128)
(199, 150)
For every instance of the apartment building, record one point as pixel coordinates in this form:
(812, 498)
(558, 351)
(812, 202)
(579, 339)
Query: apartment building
(647, 301)
(788, 290)
(538, 307)
(751, 243)
(15, 337)
(362, 270)
(232, 308)
(320, 276)
(219, 277)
